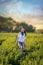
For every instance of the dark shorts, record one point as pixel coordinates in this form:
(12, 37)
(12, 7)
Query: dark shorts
(21, 43)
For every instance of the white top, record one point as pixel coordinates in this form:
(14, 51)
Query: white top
(21, 37)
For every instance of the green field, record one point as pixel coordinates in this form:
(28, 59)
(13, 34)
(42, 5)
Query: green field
(11, 55)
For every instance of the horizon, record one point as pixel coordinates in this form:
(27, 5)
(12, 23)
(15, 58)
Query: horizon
(29, 11)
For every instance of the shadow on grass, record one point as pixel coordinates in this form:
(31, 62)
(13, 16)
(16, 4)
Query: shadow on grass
(1, 41)
(17, 61)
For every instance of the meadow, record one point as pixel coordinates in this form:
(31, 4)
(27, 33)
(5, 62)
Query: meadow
(11, 55)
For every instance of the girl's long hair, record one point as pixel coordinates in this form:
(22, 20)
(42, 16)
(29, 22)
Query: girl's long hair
(23, 33)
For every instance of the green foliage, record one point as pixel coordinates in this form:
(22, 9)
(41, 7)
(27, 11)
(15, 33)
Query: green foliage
(10, 54)
(28, 28)
(7, 25)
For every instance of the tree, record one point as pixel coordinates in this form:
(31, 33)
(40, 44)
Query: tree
(28, 28)
(10, 25)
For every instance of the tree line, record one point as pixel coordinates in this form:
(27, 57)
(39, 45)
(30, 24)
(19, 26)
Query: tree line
(10, 25)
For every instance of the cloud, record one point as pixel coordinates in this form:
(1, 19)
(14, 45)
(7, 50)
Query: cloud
(35, 9)
(2, 0)
(15, 8)
(9, 0)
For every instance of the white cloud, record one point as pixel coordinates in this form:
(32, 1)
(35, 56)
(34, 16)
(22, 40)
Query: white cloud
(16, 8)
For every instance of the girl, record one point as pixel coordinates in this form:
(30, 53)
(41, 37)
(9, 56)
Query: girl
(21, 38)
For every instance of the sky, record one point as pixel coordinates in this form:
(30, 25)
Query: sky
(20, 9)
